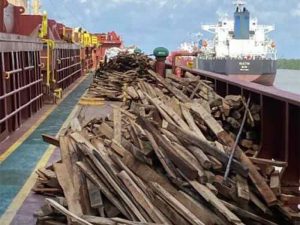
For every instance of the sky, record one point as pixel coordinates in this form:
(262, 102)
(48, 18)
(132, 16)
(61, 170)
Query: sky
(152, 23)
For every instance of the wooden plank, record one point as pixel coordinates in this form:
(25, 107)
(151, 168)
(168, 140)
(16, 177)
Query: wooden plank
(259, 182)
(170, 212)
(98, 220)
(243, 191)
(182, 97)
(175, 117)
(189, 157)
(118, 148)
(149, 175)
(254, 175)
(114, 183)
(161, 111)
(104, 189)
(94, 195)
(142, 199)
(189, 118)
(191, 138)
(66, 184)
(260, 161)
(50, 140)
(259, 204)
(135, 178)
(79, 182)
(117, 124)
(275, 183)
(188, 169)
(113, 221)
(206, 117)
(248, 215)
(161, 155)
(195, 90)
(181, 209)
(200, 156)
(215, 202)
(66, 212)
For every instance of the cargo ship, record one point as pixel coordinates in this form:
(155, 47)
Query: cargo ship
(240, 48)
(49, 107)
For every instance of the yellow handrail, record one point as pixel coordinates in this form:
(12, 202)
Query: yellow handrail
(50, 46)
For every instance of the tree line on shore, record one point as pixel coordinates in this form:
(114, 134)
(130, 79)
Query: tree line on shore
(292, 64)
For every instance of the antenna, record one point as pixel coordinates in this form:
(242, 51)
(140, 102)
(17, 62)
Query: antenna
(240, 4)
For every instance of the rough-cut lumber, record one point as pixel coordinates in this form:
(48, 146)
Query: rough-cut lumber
(200, 156)
(275, 183)
(66, 212)
(181, 209)
(95, 197)
(189, 118)
(243, 191)
(191, 138)
(260, 161)
(178, 160)
(117, 125)
(142, 199)
(160, 155)
(215, 202)
(182, 97)
(50, 140)
(248, 215)
(207, 118)
(66, 183)
(93, 177)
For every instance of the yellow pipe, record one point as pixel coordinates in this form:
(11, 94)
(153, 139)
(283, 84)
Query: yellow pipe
(48, 65)
(50, 46)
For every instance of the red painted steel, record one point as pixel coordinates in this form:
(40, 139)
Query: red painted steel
(160, 67)
(3, 4)
(20, 81)
(67, 65)
(109, 40)
(87, 59)
(280, 122)
(64, 57)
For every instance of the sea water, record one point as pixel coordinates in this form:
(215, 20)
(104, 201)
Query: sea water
(288, 80)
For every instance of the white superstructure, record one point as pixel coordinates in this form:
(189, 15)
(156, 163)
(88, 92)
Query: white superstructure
(225, 45)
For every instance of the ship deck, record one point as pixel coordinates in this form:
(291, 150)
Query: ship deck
(24, 151)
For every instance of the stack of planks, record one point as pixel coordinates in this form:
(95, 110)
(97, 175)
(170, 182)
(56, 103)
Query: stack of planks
(120, 72)
(125, 62)
(227, 111)
(161, 159)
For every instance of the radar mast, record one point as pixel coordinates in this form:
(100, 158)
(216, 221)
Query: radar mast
(240, 5)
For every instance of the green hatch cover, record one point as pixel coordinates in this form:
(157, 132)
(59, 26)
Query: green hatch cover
(161, 52)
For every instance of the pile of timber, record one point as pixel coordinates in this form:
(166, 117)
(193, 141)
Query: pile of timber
(161, 159)
(120, 72)
(228, 111)
(124, 62)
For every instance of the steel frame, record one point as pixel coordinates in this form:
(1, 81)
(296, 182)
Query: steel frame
(20, 82)
(61, 65)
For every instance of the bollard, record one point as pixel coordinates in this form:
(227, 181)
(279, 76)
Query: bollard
(160, 54)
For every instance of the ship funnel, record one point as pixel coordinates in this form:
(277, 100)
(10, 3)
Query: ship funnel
(241, 20)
